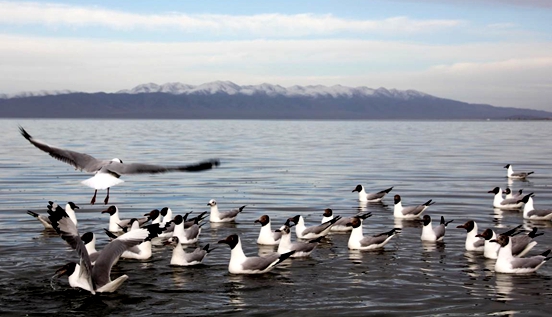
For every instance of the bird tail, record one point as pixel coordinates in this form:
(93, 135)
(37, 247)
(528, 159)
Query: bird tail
(241, 208)
(429, 203)
(534, 233)
(206, 248)
(389, 233)
(284, 256)
(110, 234)
(529, 173)
(445, 223)
(386, 190)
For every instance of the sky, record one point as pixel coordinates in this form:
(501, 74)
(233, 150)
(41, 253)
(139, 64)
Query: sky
(496, 52)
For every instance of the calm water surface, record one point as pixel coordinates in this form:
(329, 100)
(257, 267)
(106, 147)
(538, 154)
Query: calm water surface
(280, 168)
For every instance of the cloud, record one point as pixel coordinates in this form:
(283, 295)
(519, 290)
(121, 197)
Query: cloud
(504, 74)
(274, 24)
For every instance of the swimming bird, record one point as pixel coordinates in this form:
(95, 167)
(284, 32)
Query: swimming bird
(436, 233)
(267, 236)
(519, 175)
(94, 278)
(118, 225)
(185, 236)
(183, 258)
(222, 216)
(370, 197)
(357, 240)
(501, 203)
(521, 244)
(409, 212)
(529, 211)
(473, 242)
(510, 194)
(507, 263)
(241, 264)
(142, 251)
(341, 224)
(108, 172)
(45, 221)
(312, 232)
(302, 249)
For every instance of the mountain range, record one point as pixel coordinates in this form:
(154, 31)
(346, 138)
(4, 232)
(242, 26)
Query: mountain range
(227, 100)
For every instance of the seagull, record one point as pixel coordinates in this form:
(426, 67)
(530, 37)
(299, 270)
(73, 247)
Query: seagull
(182, 258)
(510, 194)
(45, 221)
(142, 251)
(409, 212)
(473, 242)
(241, 264)
(312, 232)
(436, 233)
(507, 263)
(185, 236)
(94, 278)
(341, 224)
(519, 175)
(357, 240)
(302, 249)
(222, 216)
(529, 212)
(501, 203)
(118, 225)
(108, 172)
(521, 244)
(370, 197)
(267, 236)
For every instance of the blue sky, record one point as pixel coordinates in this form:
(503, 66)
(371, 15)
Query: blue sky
(497, 52)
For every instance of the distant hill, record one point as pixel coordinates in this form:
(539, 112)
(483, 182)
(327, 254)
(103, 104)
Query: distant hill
(226, 100)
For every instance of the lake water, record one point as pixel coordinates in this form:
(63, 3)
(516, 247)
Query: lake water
(281, 168)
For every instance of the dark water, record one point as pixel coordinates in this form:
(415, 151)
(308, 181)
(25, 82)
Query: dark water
(281, 168)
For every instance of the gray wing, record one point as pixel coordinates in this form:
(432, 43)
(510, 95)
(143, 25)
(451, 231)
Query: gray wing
(139, 168)
(192, 232)
(94, 256)
(539, 213)
(102, 268)
(527, 263)
(510, 201)
(81, 161)
(229, 214)
(318, 229)
(343, 221)
(479, 243)
(377, 239)
(303, 246)
(519, 243)
(413, 210)
(439, 231)
(260, 263)
(196, 256)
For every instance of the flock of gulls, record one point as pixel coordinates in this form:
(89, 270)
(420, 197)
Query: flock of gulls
(133, 238)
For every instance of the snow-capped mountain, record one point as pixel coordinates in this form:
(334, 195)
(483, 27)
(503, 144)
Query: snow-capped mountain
(40, 93)
(230, 88)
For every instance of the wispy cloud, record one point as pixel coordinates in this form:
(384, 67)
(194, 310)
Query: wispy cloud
(276, 24)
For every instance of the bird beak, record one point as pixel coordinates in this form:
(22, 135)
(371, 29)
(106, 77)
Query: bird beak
(479, 235)
(223, 241)
(461, 226)
(61, 271)
(493, 240)
(349, 224)
(105, 211)
(257, 221)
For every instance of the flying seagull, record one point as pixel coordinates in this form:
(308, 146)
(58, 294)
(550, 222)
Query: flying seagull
(107, 172)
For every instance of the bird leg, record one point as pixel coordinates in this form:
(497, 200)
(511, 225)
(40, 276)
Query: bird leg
(106, 200)
(94, 198)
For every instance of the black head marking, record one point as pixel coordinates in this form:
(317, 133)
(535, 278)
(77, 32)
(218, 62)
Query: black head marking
(73, 206)
(178, 219)
(328, 212)
(397, 199)
(87, 237)
(263, 220)
(358, 188)
(232, 240)
(427, 220)
(164, 211)
(111, 210)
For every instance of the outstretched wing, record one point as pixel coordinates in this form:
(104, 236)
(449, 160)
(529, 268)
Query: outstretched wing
(139, 168)
(81, 161)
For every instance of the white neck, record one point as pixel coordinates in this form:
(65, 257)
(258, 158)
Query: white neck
(362, 195)
(285, 243)
(167, 217)
(325, 219)
(528, 207)
(114, 221)
(498, 198)
(397, 210)
(471, 237)
(510, 170)
(214, 212)
(179, 232)
(300, 226)
(237, 255)
(177, 254)
(491, 248)
(356, 234)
